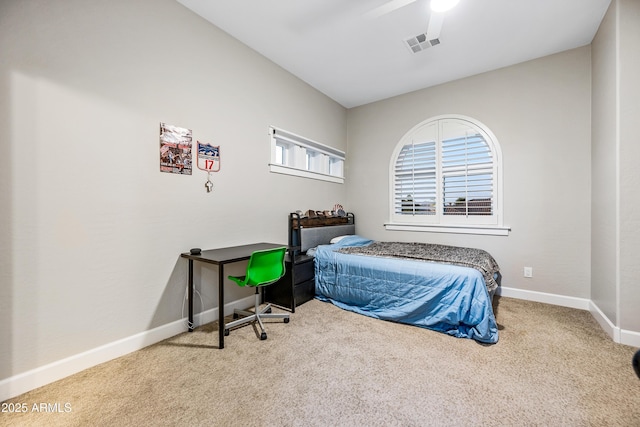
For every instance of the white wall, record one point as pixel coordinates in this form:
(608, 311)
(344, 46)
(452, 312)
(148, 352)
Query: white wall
(91, 230)
(629, 171)
(604, 148)
(540, 113)
(616, 148)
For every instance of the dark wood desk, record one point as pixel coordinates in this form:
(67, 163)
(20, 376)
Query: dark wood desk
(220, 257)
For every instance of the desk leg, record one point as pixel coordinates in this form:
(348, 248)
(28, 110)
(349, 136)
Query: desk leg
(221, 306)
(190, 295)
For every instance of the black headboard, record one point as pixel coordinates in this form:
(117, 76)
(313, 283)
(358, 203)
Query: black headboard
(306, 233)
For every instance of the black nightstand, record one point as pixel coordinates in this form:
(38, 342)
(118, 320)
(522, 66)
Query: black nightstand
(296, 287)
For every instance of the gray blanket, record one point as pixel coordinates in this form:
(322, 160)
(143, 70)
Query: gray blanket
(466, 257)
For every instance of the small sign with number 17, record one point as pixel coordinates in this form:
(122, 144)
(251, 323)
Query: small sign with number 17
(208, 157)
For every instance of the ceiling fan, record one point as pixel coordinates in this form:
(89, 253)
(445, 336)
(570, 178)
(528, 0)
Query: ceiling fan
(425, 40)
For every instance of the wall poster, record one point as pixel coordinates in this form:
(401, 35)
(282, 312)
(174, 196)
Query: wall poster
(175, 149)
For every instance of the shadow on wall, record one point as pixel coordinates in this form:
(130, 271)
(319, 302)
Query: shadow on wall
(173, 303)
(7, 281)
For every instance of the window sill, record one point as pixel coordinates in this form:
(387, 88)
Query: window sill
(488, 230)
(305, 173)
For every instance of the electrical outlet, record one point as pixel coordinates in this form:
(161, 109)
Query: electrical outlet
(528, 272)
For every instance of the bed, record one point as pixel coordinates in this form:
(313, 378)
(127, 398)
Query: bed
(443, 288)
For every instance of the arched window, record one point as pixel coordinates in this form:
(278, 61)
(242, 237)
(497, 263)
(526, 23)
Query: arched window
(446, 175)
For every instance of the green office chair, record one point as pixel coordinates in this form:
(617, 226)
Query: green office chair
(264, 268)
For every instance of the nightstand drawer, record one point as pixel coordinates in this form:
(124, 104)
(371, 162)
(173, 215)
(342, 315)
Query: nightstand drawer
(303, 272)
(296, 287)
(304, 291)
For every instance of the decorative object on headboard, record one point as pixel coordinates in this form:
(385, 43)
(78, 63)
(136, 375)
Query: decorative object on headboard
(314, 218)
(338, 210)
(320, 221)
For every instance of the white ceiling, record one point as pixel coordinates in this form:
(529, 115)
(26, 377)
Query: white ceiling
(355, 59)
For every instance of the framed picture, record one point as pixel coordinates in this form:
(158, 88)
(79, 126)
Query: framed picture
(175, 149)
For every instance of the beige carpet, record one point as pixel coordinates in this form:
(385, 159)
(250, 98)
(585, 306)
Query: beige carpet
(553, 366)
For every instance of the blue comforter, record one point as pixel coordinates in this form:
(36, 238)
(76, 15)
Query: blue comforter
(442, 297)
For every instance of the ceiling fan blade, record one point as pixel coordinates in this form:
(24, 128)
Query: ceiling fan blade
(435, 25)
(388, 7)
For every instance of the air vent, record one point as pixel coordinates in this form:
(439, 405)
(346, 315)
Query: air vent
(419, 43)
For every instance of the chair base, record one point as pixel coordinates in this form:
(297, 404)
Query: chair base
(256, 316)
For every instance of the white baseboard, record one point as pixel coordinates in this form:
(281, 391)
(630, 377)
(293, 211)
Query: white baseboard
(612, 330)
(24, 382)
(631, 338)
(618, 335)
(564, 301)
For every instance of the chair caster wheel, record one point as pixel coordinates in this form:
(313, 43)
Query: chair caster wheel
(263, 336)
(286, 320)
(235, 316)
(268, 310)
(226, 332)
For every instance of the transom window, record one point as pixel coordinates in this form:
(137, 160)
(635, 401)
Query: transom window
(296, 155)
(445, 175)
